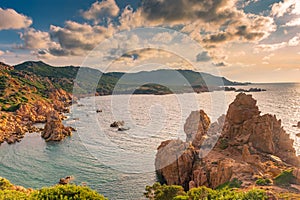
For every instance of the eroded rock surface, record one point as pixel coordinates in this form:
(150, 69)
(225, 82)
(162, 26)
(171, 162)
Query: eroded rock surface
(242, 145)
(54, 130)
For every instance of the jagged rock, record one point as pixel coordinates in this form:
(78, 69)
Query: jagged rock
(174, 162)
(54, 130)
(196, 127)
(256, 146)
(66, 180)
(117, 124)
(265, 132)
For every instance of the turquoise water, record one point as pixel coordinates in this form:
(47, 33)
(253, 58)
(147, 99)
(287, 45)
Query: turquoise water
(120, 164)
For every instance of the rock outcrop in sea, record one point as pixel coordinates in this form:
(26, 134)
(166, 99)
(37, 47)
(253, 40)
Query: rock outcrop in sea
(54, 129)
(243, 145)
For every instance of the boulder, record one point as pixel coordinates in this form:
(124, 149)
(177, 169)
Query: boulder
(54, 130)
(117, 124)
(174, 162)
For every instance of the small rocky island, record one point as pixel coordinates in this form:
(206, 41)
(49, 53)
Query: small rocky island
(242, 146)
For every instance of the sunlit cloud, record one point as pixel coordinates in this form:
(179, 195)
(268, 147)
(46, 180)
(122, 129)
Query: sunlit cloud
(10, 19)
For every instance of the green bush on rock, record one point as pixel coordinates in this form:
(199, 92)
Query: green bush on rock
(285, 178)
(72, 192)
(162, 192)
(58, 192)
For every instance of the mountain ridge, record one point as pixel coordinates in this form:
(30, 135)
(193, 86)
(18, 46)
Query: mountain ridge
(162, 81)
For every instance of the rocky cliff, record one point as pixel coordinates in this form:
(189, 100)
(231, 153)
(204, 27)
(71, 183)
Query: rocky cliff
(243, 145)
(28, 99)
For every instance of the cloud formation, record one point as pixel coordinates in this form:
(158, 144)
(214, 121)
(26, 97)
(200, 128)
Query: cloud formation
(10, 19)
(78, 38)
(34, 39)
(101, 10)
(295, 41)
(286, 7)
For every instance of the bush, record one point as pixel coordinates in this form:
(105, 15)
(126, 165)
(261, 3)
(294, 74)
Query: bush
(5, 184)
(262, 181)
(285, 178)
(12, 195)
(72, 192)
(163, 192)
(223, 143)
(255, 194)
(235, 183)
(204, 193)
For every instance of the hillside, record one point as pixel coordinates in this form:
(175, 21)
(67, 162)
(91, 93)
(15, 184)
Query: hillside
(153, 82)
(26, 99)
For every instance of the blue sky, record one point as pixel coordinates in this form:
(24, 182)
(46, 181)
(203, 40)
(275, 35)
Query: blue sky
(245, 40)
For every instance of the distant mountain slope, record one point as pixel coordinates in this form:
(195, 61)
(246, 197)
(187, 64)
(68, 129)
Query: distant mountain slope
(147, 82)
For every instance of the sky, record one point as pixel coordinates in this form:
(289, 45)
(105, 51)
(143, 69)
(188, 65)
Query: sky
(243, 40)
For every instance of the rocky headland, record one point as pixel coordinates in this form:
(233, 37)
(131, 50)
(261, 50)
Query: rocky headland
(27, 99)
(242, 146)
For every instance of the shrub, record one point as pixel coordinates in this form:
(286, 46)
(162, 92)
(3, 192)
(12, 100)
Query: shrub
(72, 192)
(5, 184)
(163, 192)
(285, 178)
(223, 143)
(12, 195)
(234, 183)
(255, 194)
(262, 181)
(204, 193)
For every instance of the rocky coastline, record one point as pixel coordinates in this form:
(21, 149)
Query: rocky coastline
(28, 99)
(242, 146)
(14, 125)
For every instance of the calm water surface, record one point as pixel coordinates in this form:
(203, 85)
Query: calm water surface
(120, 164)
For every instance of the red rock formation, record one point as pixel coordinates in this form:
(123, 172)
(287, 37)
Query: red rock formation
(54, 130)
(196, 126)
(250, 146)
(174, 162)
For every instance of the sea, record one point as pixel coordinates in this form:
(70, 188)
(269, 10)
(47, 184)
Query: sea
(119, 164)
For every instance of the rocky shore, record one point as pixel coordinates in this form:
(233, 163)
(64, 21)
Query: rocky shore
(242, 146)
(14, 125)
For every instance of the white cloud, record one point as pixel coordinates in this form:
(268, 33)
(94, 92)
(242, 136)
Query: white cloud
(270, 47)
(295, 41)
(34, 39)
(293, 22)
(10, 19)
(78, 38)
(101, 10)
(281, 8)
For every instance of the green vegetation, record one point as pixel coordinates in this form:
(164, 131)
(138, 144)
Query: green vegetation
(13, 195)
(3, 84)
(223, 143)
(235, 183)
(164, 192)
(263, 181)
(59, 192)
(71, 192)
(285, 178)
